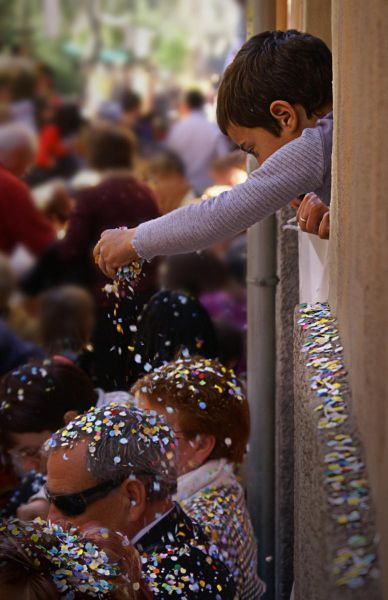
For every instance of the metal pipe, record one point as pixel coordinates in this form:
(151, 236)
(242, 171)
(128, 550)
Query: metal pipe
(261, 390)
(261, 283)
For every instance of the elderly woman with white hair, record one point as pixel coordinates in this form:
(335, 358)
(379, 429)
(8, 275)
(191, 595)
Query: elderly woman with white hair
(21, 222)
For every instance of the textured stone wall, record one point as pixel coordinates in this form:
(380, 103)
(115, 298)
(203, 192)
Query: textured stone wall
(359, 233)
(316, 18)
(313, 16)
(335, 552)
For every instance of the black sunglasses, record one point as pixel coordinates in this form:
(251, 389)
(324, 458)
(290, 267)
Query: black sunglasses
(75, 504)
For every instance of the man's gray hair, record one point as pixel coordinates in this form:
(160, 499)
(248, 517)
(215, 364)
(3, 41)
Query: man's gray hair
(16, 135)
(125, 442)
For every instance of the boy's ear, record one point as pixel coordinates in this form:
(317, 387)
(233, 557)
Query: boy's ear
(285, 114)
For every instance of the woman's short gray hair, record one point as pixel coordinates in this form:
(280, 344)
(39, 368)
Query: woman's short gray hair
(125, 442)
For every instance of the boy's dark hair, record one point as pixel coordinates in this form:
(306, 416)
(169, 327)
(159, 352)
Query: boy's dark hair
(275, 65)
(35, 397)
(194, 99)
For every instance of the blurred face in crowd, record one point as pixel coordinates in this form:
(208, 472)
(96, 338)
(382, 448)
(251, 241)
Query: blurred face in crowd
(170, 189)
(124, 508)
(230, 177)
(26, 450)
(192, 453)
(19, 160)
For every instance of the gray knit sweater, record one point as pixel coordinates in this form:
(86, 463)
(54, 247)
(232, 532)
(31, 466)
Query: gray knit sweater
(301, 166)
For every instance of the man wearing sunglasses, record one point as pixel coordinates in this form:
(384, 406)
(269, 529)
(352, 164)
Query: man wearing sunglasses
(116, 467)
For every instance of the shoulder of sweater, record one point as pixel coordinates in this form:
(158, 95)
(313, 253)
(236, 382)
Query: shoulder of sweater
(227, 498)
(8, 180)
(323, 131)
(109, 185)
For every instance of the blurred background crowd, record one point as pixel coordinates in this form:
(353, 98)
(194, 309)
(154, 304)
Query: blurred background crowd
(107, 120)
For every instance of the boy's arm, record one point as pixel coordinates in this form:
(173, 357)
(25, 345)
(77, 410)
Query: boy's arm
(297, 168)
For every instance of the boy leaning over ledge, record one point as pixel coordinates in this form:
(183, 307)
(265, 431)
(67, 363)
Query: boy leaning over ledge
(275, 103)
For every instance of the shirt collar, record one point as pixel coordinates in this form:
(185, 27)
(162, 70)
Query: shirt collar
(148, 527)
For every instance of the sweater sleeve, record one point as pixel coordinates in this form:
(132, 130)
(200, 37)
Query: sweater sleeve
(296, 168)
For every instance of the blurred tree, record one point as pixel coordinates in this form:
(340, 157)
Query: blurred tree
(171, 53)
(181, 35)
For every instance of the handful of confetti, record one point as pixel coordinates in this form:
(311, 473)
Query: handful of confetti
(126, 279)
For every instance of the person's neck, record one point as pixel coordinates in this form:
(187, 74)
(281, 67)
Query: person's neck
(306, 122)
(116, 172)
(153, 512)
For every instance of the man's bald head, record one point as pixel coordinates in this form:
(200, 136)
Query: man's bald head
(17, 148)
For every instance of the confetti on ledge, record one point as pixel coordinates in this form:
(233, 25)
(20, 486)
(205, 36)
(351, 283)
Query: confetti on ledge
(347, 488)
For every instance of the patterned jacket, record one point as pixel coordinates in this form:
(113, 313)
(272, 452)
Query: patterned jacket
(179, 562)
(224, 517)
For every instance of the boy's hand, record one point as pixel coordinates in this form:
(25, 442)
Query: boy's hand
(115, 250)
(324, 228)
(295, 203)
(310, 214)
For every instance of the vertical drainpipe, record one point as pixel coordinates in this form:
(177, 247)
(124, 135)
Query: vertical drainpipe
(261, 283)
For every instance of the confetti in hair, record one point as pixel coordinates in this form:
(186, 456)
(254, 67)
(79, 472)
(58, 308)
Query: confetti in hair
(208, 398)
(76, 565)
(122, 441)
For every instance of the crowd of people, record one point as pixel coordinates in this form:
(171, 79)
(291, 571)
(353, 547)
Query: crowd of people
(123, 413)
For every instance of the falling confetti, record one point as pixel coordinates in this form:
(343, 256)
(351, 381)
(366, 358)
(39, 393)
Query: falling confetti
(123, 286)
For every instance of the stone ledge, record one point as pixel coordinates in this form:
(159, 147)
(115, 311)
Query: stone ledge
(335, 538)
